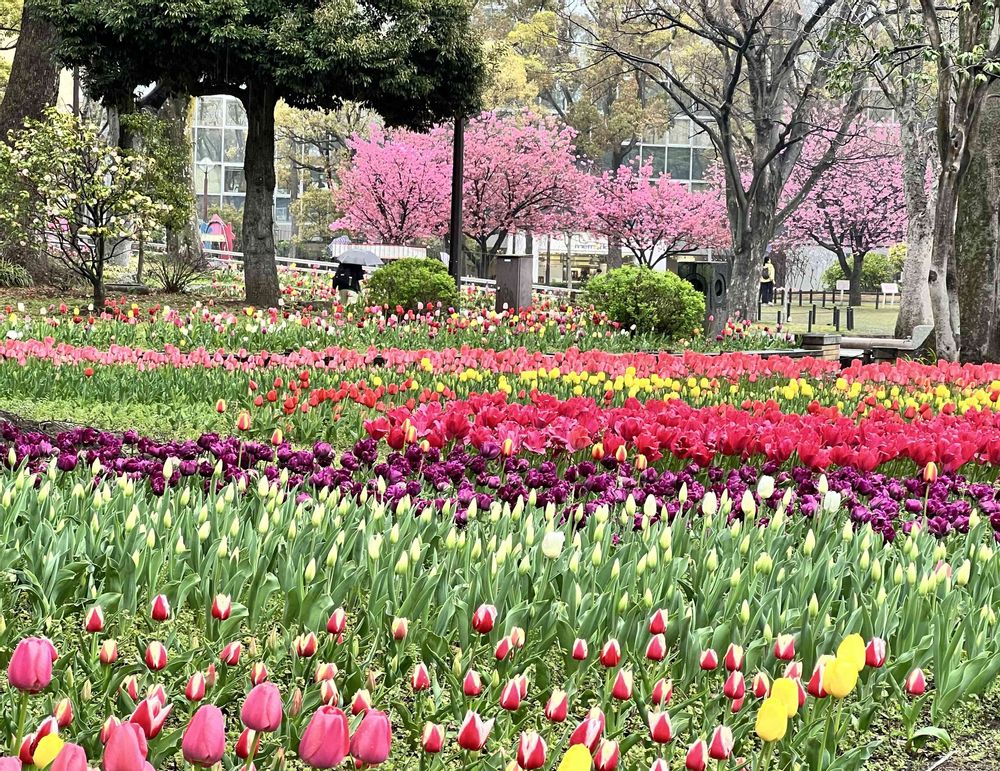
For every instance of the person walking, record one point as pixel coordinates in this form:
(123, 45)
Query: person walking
(767, 281)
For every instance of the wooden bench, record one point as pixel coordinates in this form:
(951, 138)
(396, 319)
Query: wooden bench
(887, 348)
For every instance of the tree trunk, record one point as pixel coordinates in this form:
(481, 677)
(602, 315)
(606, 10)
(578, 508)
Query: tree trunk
(941, 257)
(34, 76)
(259, 268)
(977, 243)
(615, 259)
(857, 268)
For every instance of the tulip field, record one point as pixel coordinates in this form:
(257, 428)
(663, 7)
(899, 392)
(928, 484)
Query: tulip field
(356, 539)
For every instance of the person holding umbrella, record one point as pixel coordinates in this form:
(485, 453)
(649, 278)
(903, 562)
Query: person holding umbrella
(350, 271)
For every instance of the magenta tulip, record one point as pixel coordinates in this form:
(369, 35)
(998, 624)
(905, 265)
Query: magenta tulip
(30, 668)
(204, 741)
(371, 741)
(262, 708)
(326, 740)
(70, 758)
(123, 752)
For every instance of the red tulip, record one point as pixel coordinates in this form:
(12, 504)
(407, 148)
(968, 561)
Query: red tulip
(656, 650)
(793, 671)
(325, 671)
(662, 691)
(697, 756)
(243, 742)
(72, 757)
(661, 730)
(815, 687)
(63, 712)
(531, 750)
(517, 637)
(579, 649)
(372, 738)
(326, 740)
(916, 682)
(230, 655)
(160, 608)
(109, 725)
(472, 685)
(607, 755)
(328, 693)
(306, 645)
(130, 685)
(204, 740)
(474, 732)
(243, 421)
(737, 705)
(159, 693)
(361, 702)
(400, 627)
(337, 622)
(784, 647)
(95, 620)
(432, 738)
(484, 618)
(258, 673)
(589, 731)
(622, 688)
(156, 656)
(611, 654)
(658, 622)
(734, 658)
(195, 689)
(557, 707)
(109, 652)
(709, 659)
(659, 764)
(510, 697)
(30, 667)
(220, 406)
(222, 607)
(761, 687)
(720, 746)
(150, 715)
(420, 679)
(930, 473)
(262, 708)
(503, 649)
(875, 653)
(125, 749)
(735, 686)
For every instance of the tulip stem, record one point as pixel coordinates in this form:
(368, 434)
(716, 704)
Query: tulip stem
(22, 713)
(253, 751)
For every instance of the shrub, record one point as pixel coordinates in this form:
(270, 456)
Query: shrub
(878, 269)
(412, 280)
(647, 299)
(13, 275)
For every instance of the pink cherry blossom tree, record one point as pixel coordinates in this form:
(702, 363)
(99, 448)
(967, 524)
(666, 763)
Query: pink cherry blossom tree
(857, 205)
(654, 219)
(395, 189)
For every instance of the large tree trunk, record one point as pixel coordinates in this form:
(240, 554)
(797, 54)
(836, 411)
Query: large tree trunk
(977, 243)
(259, 268)
(942, 255)
(857, 268)
(34, 76)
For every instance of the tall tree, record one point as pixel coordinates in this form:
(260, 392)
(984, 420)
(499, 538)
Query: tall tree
(964, 44)
(767, 68)
(412, 63)
(857, 205)
(34, 75)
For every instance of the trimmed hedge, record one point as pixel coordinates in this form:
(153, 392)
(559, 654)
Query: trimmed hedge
(647, 300)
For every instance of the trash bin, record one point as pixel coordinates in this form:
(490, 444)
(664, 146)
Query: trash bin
(513, 281)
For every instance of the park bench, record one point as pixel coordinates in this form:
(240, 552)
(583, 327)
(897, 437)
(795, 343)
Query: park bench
(884, 348)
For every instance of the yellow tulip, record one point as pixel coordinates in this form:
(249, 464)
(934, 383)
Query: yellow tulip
(47, 750)
(840, 677)
(786, 691)
(852, 649)
(577, 759)
(772, 719)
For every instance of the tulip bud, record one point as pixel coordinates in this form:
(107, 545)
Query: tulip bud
(916, 682)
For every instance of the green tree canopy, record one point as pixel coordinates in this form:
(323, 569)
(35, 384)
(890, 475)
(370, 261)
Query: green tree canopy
(413, 61)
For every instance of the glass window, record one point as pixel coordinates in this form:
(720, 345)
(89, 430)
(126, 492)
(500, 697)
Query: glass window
(679, 162)
(208, 144)
(213, 179)
(631, 157)
(210, 111)
(656, 156)
(236, 142)
(235, 114)
(701, 160)
(281, 206)
(235, 180)
(680, 131)
(236, 201)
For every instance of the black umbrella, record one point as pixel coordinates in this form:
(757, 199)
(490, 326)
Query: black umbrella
(358, 257)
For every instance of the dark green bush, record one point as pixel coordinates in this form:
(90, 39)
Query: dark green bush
(13, 275)
(410, 281)
(648, 300)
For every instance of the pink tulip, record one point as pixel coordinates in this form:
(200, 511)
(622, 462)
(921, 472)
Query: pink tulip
(784, 647)
(372, 738)
(607, 755)
(589, 731)
(916, 682)
(579, 650)
(472, 685)
(160, 608)
(95, 620)
(656, 650)
(30, 668)
(611, 654)
(150, 715)
(735, 685)
(420, 679)
(661, 730)
(222, 607)
(658, 622)
(663, 691)
(474, 732)
(432, 738)
(720, 746)
(337, 622)
(262, 708)
(734, 658)
(484, 618)
(195, 689)
(622, 688)
(697, 756)
(125, 750)
(531, 750)
(557, 707)
(875, 653)
(71, 757)
(10, 764)
(204, 741)
(326, 740)
(709, 659)
(510, 696)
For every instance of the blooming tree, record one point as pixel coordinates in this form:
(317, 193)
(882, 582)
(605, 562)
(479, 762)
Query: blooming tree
(396, 188)
(655, 219)
(64, 186)
(858, 204)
